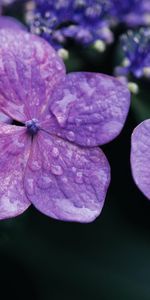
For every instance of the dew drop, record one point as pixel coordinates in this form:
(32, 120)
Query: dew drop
(90, 128)
(55, 152)
(44, 182)
(71, 136)
(79, 178)
(78, 121)
(65, 179)
(88, 141)
(58, 66)
(57, 170)
(35, 166)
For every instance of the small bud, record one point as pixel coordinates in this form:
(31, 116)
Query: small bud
(99, 46)
(133, 87)
(63, 53)
(126, 62)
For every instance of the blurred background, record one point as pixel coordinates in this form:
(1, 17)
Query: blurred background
(43, 259)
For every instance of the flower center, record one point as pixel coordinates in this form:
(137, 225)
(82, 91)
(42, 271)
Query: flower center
(32, 126)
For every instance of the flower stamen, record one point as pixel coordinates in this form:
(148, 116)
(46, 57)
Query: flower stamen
(32, 126)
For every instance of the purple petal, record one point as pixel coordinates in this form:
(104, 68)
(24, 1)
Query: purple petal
(29, 71)
(9, 22)
(65, 181)
(90, 108)
(4, 118)
(140, 157)
(14, 153)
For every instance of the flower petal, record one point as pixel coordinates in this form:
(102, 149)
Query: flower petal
(90, 108)
(29, 71)
(4, 118)
(9, 22)
(140, 157)
(65, 181)
(14, 153)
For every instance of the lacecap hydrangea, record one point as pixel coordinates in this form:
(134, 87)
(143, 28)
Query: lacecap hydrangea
(51, 159)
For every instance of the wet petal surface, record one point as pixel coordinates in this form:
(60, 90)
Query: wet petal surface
(90, 108)
(140, 157)
(65, 181)
(4, 118)
(29, 71)
(14, 153)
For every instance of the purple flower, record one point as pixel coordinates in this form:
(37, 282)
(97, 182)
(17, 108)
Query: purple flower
(52, 160)
(136, 53)
(83, 21)
(6, 2)
(140, 157)
(131, 12)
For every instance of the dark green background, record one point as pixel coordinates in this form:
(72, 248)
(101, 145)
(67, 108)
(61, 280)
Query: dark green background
(44, 259)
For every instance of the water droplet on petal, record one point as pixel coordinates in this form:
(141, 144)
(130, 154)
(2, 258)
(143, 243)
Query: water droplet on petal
(56, 170)
(44, 182)
(65, 179)
(70, 136)
(55, 152)
(35, 166)
(79, 178)
(78, 121)
(74, 169)
(88, 141)
(58, 66)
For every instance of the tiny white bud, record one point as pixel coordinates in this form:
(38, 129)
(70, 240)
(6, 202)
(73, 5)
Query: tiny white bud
(63, 53)
(126, 62)
(99, 45)
(146, 72)
(133, 87)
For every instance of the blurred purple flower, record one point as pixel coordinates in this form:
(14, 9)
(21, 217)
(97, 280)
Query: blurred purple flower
(135, 48)
(131, 12)
(52, 160)
(140, 157)
(5, 3)
(85, 21)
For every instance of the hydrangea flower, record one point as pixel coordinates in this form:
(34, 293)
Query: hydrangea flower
(136, 53)
(83, 20)
(52, 159)
(131, 12)
(140, 157)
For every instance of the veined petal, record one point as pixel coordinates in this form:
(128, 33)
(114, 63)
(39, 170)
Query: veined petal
(64, 181)
(14, 153)
(90, 108)
(140, 157)
(4, 118)
(29, 71)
